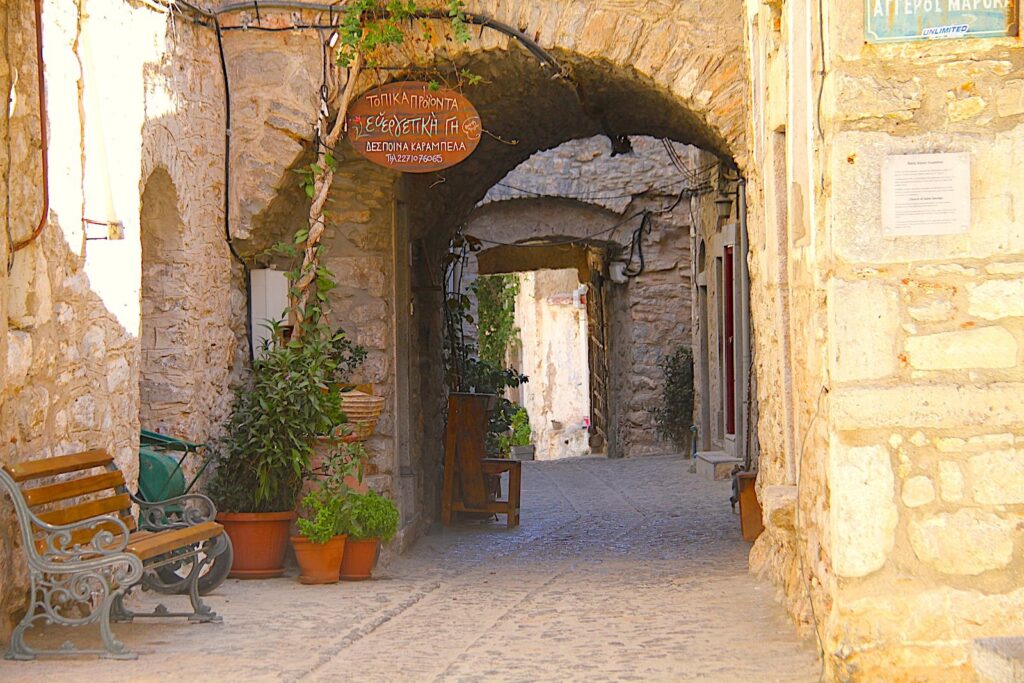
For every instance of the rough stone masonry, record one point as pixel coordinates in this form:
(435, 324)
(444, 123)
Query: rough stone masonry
(888, 369)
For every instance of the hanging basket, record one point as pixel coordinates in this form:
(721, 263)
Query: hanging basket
(362, 411)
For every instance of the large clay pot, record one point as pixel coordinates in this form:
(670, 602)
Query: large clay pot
(319, 562)
(260, 540)
(359, 558)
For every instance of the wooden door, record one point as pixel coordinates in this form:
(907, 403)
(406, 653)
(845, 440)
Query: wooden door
(597, 351)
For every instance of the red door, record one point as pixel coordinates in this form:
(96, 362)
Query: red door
(730, 349)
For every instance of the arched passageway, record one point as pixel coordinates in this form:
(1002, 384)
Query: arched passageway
(388, 234)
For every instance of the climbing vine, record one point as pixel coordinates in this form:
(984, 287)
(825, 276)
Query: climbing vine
(366, 30)
(496, 310)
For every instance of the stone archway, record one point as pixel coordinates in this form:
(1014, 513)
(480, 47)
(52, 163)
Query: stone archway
(679, 75)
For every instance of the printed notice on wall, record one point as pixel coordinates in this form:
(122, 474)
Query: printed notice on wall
(926, 194)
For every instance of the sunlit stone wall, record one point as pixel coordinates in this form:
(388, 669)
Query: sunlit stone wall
(127, 92)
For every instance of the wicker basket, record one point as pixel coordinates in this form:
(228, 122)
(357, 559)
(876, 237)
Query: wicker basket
(362, 411)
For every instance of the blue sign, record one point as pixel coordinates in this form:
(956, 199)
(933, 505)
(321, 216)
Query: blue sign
(889, 21)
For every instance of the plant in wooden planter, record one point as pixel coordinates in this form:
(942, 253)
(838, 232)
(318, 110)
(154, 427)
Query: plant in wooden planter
(372, 519)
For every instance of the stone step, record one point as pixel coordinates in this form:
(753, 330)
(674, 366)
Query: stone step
(999, 660)
(714, 465)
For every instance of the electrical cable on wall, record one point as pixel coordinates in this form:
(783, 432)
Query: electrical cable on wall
(43, 141)
(227, 192)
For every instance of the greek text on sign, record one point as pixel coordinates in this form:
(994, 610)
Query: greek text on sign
(901, 20)
(408, 127)
(926, 194)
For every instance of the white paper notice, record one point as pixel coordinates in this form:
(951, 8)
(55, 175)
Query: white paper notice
(926, 194)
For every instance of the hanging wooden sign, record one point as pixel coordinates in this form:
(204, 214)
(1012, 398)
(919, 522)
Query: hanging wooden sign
(408, 127)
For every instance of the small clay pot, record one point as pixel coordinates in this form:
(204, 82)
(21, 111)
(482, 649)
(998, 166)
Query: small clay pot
(319, 562)
(260, 541)
(359, 559)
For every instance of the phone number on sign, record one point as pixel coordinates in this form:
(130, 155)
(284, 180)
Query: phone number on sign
(414, 158)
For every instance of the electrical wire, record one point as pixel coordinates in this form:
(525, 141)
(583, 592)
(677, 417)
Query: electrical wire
(227, 187)
(44, 144)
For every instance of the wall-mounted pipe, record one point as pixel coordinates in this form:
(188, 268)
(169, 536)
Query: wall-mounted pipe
(746, 347)
(44, 141)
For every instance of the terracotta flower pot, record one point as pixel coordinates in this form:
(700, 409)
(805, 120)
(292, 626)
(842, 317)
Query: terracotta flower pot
(359, 558)
(260, 540)
(319, 562)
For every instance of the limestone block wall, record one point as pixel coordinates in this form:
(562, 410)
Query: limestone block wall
(125, 93)
(924, 364)
(361, 254)
(895, 503)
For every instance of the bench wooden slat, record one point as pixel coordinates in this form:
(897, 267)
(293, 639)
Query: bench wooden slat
(35, 469)
(72, 489)
(87, 510)
(147, 545)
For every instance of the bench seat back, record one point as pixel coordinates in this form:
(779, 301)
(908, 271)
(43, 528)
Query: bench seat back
(90, 485)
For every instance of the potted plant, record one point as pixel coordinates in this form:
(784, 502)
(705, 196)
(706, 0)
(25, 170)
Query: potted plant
(319, 545)
(371, 519)
(324, 515)
(516, 442)
(266, 451)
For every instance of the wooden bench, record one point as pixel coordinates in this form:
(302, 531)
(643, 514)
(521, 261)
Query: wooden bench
(467, 472)
(86, 552)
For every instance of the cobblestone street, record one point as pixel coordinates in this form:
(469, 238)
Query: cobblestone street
(621, 570)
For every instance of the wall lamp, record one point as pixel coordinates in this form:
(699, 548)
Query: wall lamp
(724, 206)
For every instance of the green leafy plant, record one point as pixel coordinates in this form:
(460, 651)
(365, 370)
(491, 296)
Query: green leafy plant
(674, 416)
(324, 515)
(465, 369)
(291, 399)
(372, 516)
(496, 311)
(346, 355)
(519, 433)
(326, 511)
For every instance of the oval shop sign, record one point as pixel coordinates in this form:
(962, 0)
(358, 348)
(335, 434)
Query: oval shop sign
(408, 127)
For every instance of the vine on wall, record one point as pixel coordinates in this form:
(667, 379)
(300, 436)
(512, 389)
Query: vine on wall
(367, 30)
(496, 310)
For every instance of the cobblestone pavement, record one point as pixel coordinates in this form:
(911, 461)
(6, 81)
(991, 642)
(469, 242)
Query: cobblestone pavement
(621, 570)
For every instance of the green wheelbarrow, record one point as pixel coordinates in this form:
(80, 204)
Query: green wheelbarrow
(161, 477)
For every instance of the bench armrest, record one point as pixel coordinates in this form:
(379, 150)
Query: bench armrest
(64, 542)
(175, 513)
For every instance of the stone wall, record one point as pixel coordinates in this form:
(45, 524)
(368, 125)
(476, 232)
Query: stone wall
(554, 356)
(120, 102)
(681, 78)
(901, 493)
(650, 314)
(928, 420)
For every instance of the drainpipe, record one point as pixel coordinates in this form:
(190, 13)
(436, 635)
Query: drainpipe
(44, 142)
(745, 350)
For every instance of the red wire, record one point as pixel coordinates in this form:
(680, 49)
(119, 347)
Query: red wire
(44, 143)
